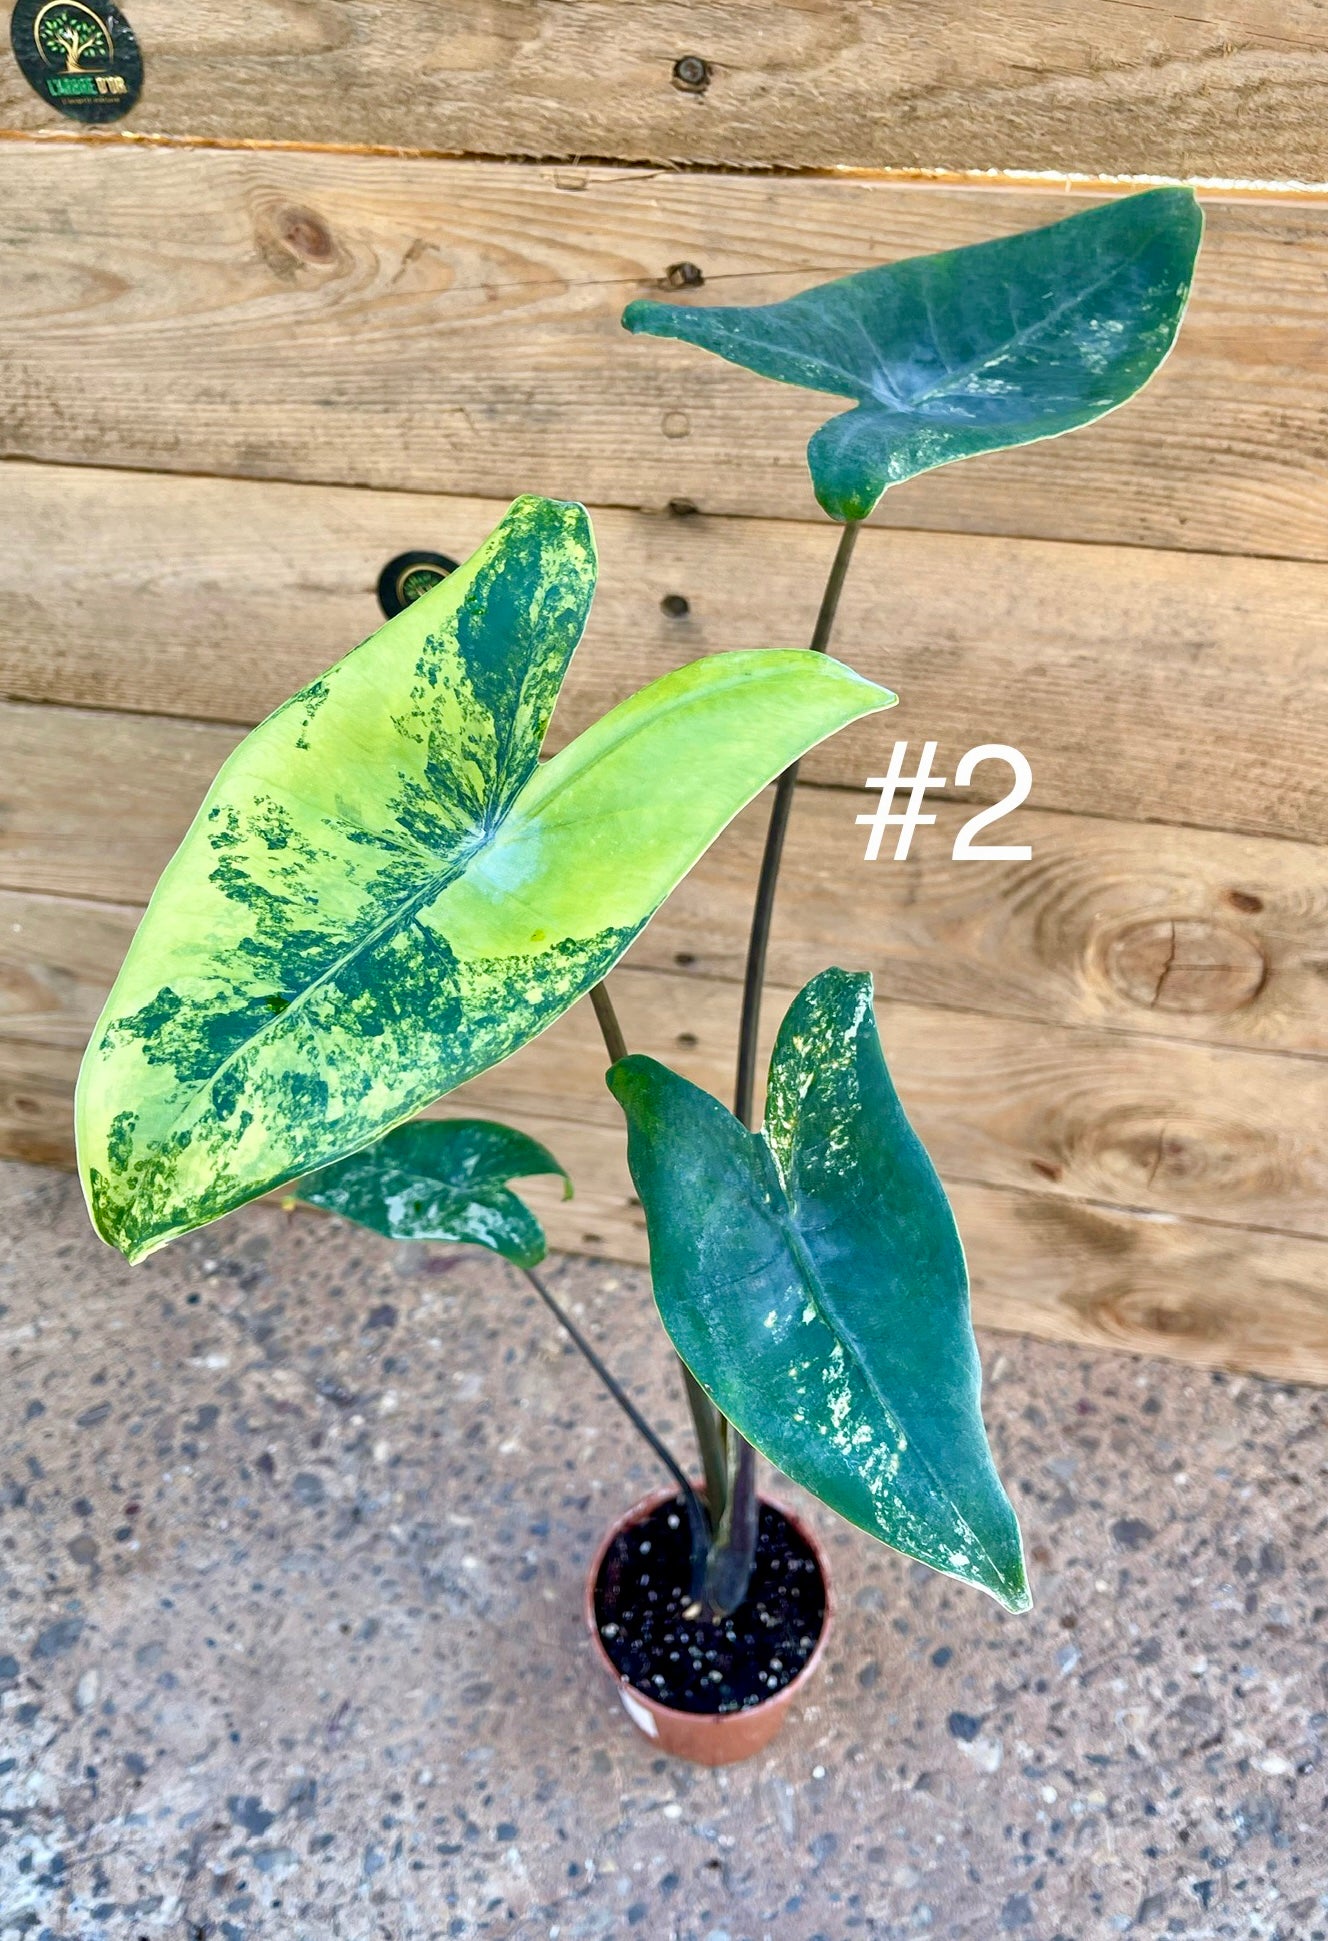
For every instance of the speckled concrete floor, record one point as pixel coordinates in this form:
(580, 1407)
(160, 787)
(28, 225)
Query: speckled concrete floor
(293, 1533)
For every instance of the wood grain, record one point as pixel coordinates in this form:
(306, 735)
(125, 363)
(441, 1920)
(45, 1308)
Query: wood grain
(1168, 1127)
(58, 959)
(1214, 1298)
(37, 1102)
(1196, 1131)
(1116, 88)
(87, 799)
(1102, 1276)
(1173, 933)
(433, 325)
(1210, 938)
(1209, 1295)
(1177, 933)
(1134, 681)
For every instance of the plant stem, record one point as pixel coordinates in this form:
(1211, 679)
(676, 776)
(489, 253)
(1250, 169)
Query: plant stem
(709, 1425)
(768, 881)
(607, 1019)
(706, 1418)
(728, 1458)
(696, 1516)
(734, 1551)
(729, 1569)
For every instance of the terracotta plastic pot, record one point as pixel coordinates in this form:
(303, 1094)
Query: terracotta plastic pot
(707, 1738)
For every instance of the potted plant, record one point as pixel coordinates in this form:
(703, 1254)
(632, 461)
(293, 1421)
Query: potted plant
(386, 891)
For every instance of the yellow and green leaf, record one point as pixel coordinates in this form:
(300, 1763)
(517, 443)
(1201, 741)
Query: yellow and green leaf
(385, 891)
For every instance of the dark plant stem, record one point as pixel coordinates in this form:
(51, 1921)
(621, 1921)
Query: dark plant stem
(706, 1418)
(729, 1568)
(768, 881)
(710, 1428)
(696, 1516)
(734, 1552)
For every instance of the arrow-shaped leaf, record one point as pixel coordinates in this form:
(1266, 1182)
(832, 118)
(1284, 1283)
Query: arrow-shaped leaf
(385, 892)
(969, 350)
(441, 1179)
(811, 1277)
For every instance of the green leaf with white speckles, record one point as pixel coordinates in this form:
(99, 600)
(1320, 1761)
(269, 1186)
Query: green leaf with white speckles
(441, 1179)
(811, 1277)
(970, 350)
(385, 891)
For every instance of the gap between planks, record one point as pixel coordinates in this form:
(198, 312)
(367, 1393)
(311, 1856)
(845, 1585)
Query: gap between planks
(1096, 933)
(1225, 188)
(1176, 1129)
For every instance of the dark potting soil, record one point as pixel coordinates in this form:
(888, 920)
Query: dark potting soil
(644, 1587)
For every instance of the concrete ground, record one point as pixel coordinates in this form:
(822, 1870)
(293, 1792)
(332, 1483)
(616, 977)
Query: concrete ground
(292, 1531)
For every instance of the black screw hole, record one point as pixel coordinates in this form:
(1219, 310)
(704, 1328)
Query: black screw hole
(691, 74)
(684, 276)
(687, 1038)
(676, 605)
(404, 578)
(683, 508)
(683, 957)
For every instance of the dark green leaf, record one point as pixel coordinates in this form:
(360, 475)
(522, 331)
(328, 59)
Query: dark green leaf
(441, 1179)
(969, 350)
(811, 1277)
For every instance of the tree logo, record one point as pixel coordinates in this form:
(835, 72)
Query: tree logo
(72, 38)
(81, 56)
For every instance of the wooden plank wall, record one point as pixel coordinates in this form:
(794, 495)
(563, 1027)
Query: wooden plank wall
(297, 314)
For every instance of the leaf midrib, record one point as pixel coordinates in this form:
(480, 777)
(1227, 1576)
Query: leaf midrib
(1029, 332)
(489, 833)
(825, 1307)
(403, 913)
(481, 836)
(913, 405)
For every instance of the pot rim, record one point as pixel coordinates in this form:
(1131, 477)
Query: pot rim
(655, 1499)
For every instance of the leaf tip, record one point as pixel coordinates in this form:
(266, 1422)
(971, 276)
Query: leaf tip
(637, 314)
(134, 1251)
(1016, 1598)
(845, 507)
(1005, 1577)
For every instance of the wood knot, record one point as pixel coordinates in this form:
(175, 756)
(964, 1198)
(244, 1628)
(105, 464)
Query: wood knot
(1185, 964)
(306, 234)
(290, 237)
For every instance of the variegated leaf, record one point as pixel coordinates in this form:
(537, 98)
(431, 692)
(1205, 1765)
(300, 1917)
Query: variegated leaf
(385, 892)
(812, 1279)
(970, 350)
(441, 1179)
